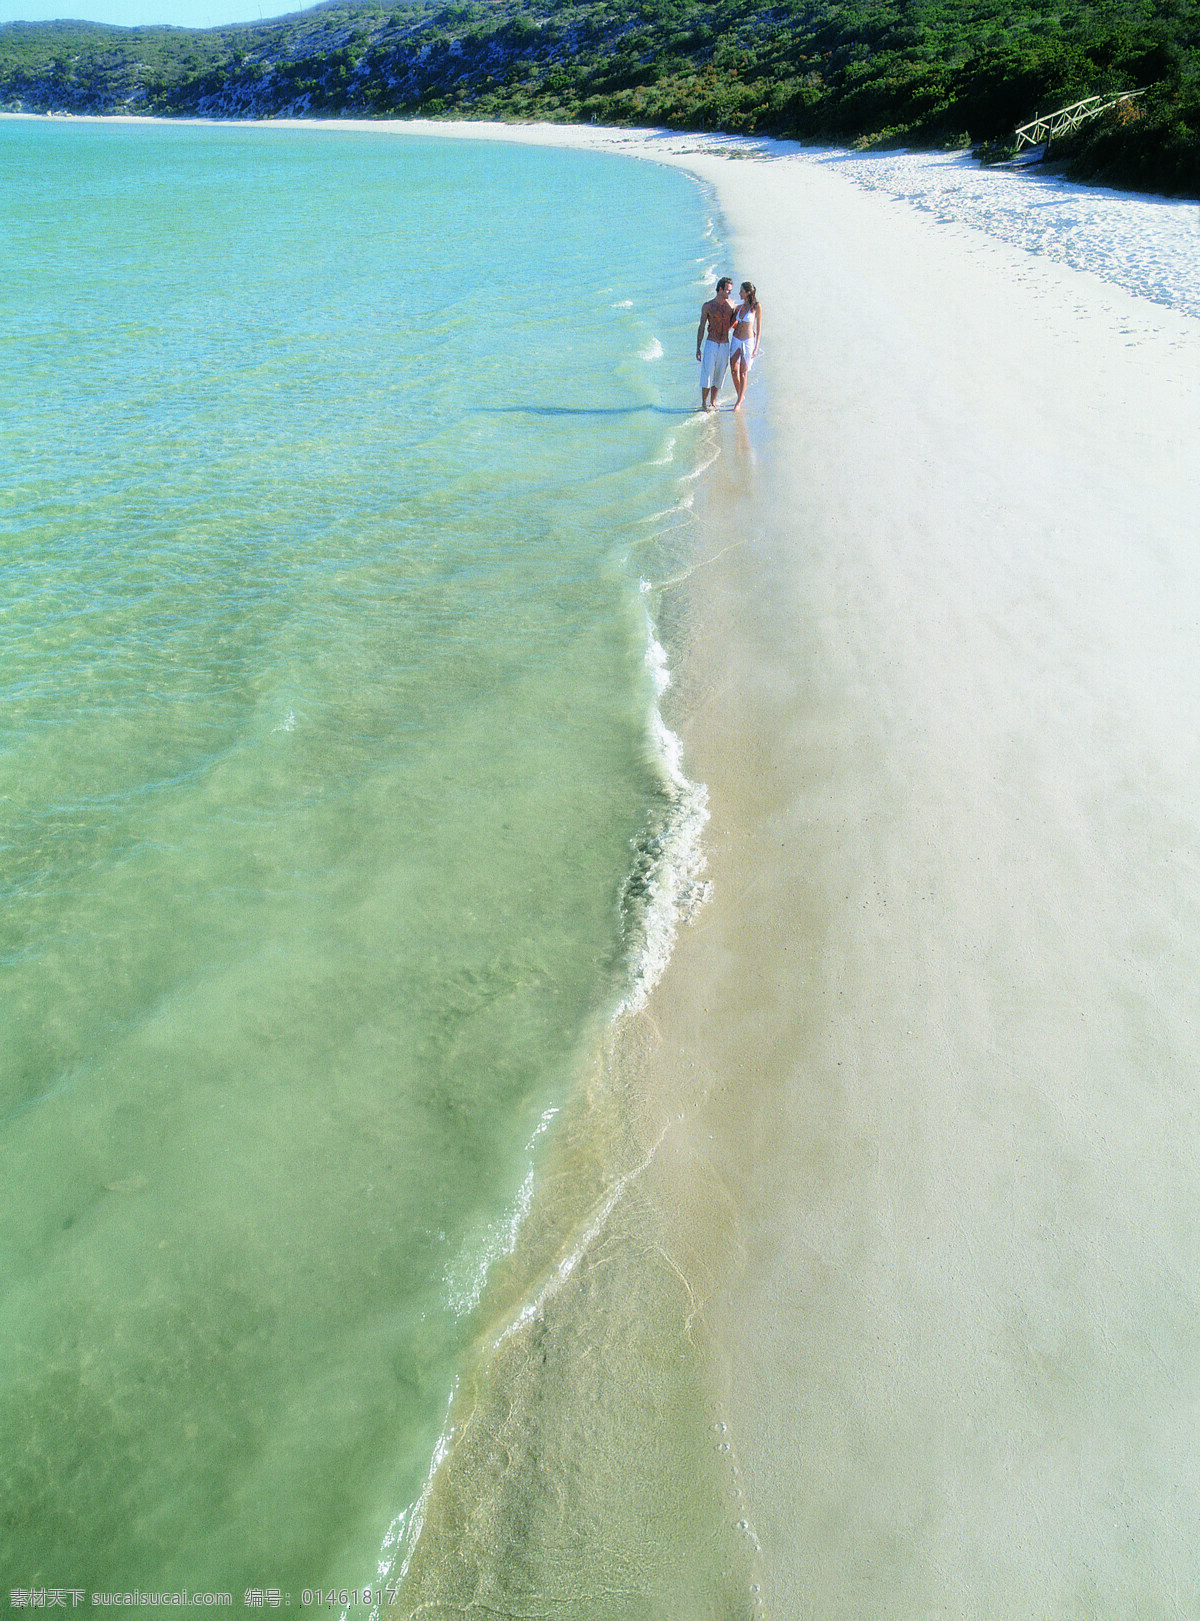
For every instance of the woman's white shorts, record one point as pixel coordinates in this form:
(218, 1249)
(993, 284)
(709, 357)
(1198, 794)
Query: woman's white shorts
(743, 347)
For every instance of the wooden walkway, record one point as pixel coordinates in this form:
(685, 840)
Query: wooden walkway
(1043, 129)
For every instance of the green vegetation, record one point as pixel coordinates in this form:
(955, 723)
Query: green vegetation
(867, 72)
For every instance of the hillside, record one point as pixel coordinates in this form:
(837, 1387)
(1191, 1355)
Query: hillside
(868, 72)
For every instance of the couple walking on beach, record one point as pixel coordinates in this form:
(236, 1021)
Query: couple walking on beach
(728, 335)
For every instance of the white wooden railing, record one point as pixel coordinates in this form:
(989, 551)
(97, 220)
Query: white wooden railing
(1044, 128)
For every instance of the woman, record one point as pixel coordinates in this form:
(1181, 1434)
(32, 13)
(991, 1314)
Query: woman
(743, 345)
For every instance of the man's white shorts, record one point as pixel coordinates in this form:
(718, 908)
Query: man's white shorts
(712, 367)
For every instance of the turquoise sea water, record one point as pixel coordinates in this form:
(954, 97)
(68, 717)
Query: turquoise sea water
(332, 803)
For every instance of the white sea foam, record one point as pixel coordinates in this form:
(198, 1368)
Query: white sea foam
(400, 1538)
(668, 878)
(652, 351)
(467, 1276)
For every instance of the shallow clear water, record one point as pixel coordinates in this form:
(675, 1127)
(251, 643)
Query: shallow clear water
(332, 463)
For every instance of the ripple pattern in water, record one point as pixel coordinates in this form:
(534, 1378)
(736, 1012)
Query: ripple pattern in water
(326, 741)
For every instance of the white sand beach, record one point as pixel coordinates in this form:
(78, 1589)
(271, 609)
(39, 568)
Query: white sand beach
(943, 1001)
(944, 996)
(929, 1056)
(938, 1207)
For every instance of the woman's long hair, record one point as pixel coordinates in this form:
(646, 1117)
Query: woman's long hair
(749, 294)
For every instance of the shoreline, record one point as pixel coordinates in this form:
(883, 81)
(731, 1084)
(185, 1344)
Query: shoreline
(587, 1336)
(920, 1062)
(909, 1121)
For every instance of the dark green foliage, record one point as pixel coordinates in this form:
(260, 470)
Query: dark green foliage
(1155, 146)
(871, 72)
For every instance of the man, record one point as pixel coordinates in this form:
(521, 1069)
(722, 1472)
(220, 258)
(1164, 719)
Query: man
(718, 316)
